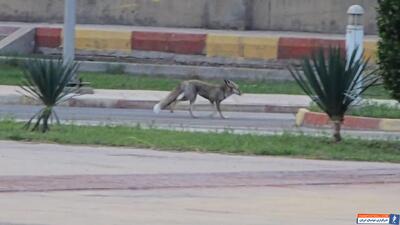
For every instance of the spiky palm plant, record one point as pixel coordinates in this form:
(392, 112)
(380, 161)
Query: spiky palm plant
(46, 81)
(334, 82)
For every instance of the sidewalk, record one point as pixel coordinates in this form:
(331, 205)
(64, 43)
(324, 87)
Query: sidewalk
(47, 183)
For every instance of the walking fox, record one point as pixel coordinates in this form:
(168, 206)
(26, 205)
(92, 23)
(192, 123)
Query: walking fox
(188, 91)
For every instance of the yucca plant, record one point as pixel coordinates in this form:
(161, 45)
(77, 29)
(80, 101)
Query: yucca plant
(334, 82)
(46, 81)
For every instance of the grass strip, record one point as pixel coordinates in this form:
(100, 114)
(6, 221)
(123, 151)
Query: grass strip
(11, 75)
(299, 146)
(373, 110)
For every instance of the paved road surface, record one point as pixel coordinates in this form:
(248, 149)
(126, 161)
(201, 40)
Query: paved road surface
(263, 123)
(55, 184)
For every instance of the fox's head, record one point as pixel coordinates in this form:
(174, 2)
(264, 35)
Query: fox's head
(233, 88)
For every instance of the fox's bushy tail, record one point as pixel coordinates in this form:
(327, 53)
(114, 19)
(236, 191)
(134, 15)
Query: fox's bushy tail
(168, 100)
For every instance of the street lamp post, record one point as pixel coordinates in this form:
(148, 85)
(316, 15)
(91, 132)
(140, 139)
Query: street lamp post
(355, 35)
(69, 43)
(69, 30)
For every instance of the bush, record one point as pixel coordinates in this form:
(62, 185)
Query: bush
(389, 45)
(334, 82)
(46, 81)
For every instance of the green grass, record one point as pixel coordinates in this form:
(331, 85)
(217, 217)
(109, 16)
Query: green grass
(370, 110)
(377, 111)
(277, 145)
(124, 81)
(10, 75)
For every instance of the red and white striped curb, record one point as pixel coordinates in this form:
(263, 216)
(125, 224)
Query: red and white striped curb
(314, 119)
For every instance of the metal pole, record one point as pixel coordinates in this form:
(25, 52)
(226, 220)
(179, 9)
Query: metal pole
(69, 30)
(355, 36)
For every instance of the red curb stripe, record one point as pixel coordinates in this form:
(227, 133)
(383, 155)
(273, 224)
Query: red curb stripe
(361, 122)
(187, 43)
(48, 37)
(315, 119)
(169, 42)
(297, 48)
(353, 122)
(150, 41)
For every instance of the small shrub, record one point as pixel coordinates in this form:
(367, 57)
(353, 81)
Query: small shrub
(46, 81)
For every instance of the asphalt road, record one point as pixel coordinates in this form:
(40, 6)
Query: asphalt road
(48, 184)
(237, 122)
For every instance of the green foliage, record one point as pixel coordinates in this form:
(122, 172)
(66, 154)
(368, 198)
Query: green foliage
(389, 45)
(334, 82)
(300, 146)
(12, 76)
(370, 109)
(46, 81)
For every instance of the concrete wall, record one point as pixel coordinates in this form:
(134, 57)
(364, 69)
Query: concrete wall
(324, 16)
(327, 16)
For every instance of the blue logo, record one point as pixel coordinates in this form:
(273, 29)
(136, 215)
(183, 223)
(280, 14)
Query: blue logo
(394, 219)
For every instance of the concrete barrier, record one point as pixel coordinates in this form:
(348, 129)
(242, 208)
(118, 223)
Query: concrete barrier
(260, 47)
(211, 45)
(242, 46)
(150, 41)
(180, 43)
(223, 45)
(296, 48)
(103, 40)
(48, 37)
(193, 44)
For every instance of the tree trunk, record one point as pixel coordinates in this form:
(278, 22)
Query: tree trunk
(336, 131)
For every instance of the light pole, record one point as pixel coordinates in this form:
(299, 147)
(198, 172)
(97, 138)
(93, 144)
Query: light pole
(355, 36)
(69, 30)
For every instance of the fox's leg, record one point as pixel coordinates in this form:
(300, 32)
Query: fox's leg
(172, 106)
(219, 109)
(191, 109)
(214, 109)
(192, 100)
(180, 98)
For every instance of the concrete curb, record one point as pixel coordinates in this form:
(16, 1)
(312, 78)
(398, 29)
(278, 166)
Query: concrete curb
(314, 119)
(185, 71)
(182, 71)
(82, 101)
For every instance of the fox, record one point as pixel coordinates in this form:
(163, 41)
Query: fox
(189, 89)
